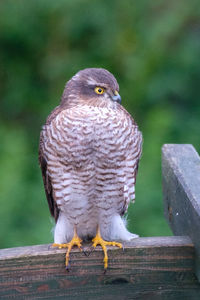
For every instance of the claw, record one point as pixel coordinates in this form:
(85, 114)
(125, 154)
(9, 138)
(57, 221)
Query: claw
(68, 267)
(85, 252)
(59, 246)
(97, 240)
(76, 241)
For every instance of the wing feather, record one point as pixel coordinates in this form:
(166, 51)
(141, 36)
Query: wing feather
(131, 162)
(43, 165)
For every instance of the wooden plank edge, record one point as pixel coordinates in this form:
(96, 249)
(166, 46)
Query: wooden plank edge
(143, 242)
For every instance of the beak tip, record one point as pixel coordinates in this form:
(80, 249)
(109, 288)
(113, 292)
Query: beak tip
(117, 98)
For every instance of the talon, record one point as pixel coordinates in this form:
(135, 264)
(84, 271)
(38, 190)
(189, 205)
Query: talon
(85, 252)
(59, 246)
(68, 267)
(97, 240)
(76, 241)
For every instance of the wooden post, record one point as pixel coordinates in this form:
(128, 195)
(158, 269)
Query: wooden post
(181, 189)
(148, 268)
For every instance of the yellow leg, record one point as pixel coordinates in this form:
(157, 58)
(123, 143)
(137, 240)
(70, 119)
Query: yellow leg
(97, 240)
(76, 241)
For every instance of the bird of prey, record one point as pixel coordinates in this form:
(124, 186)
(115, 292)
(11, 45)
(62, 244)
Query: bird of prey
(89, 152)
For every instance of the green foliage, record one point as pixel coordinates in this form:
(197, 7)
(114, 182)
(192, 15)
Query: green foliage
(152, 47)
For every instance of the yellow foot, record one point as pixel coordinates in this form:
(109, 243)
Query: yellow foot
(97, 240)
(76, 241)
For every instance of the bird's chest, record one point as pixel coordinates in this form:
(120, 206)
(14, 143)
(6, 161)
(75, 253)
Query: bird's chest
(91, 133)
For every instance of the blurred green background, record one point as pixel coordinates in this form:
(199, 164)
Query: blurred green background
(153, 49)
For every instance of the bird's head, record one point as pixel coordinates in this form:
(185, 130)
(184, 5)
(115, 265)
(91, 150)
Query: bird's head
(92, 86)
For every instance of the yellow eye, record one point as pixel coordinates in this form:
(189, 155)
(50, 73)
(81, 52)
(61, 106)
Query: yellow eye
(99, 90)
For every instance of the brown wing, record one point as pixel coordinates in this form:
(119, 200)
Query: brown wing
(139, 143)
(133, 154)
(139, 146)
(43, 165)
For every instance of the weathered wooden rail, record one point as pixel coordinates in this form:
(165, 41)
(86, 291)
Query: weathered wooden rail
(148, 268)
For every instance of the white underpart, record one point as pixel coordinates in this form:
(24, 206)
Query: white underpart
(118, 230)
(63, 230)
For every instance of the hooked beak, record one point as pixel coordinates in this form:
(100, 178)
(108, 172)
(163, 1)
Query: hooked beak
(117, 97)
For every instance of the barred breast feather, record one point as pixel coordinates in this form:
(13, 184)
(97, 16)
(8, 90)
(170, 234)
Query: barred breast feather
(90, 156)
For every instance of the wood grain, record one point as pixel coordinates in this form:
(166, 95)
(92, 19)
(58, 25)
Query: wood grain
(181, 190)
(148, 268)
